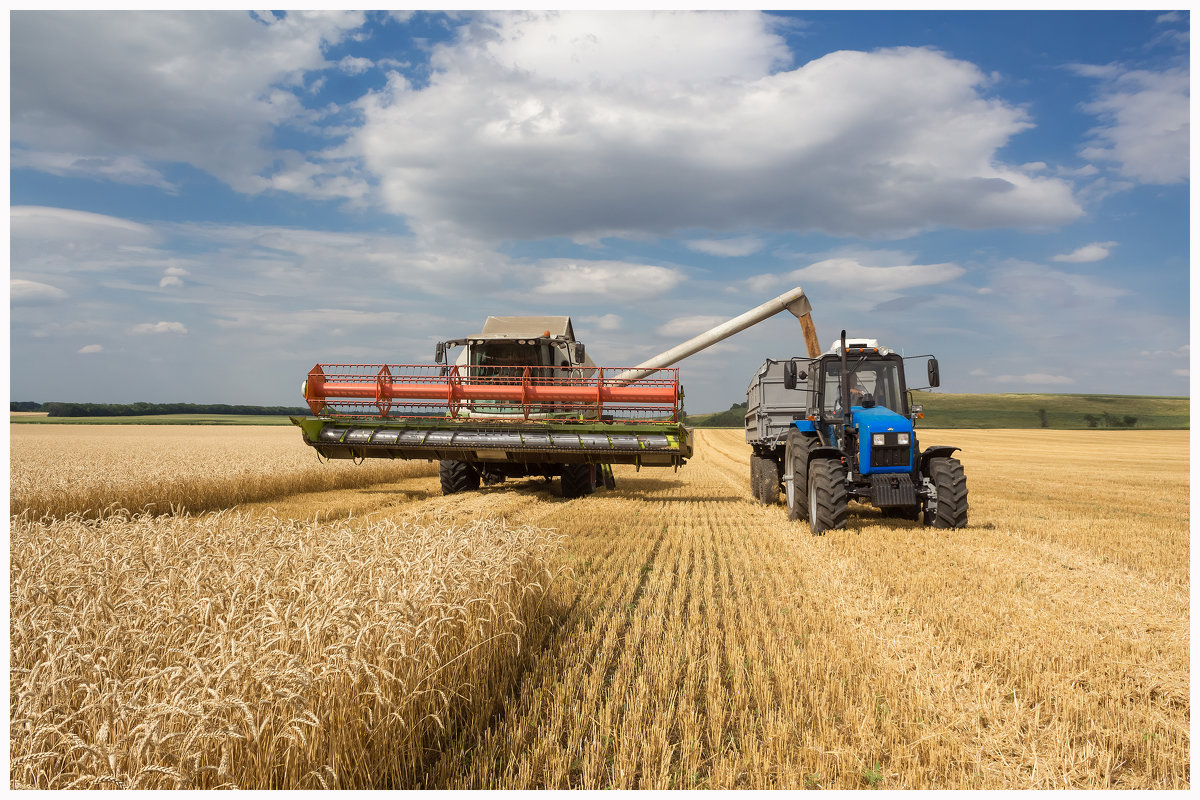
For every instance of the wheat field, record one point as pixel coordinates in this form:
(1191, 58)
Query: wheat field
(692, 638)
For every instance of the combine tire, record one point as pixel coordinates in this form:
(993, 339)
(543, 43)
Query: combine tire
(457, 476)
(764, 479)
(796, 454)
(951, 484)
(826, 496)
(578, 480)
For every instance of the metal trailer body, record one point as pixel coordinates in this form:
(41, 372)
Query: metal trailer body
(840, 427)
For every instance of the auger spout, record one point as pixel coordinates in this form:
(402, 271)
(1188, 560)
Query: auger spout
(793, 300)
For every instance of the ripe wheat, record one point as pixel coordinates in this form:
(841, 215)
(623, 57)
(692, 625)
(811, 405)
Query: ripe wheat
(230, 651)
(94, 470)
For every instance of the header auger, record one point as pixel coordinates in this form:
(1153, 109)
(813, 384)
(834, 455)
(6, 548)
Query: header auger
(521, 399)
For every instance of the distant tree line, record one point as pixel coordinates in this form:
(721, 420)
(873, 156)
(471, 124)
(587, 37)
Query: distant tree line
(150, 409)
(1110, 421)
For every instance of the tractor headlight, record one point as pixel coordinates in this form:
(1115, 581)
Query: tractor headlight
(877, 439)
(902, 439)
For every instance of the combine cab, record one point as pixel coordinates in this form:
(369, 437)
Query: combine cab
(520, 399)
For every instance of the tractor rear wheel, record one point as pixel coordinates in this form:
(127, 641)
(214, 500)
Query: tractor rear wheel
(951, 484)
(764, 479)
(577, 480)
(827, 496)
(457, 476)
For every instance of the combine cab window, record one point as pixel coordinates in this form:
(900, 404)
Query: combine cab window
(503, 359)
(880, 379)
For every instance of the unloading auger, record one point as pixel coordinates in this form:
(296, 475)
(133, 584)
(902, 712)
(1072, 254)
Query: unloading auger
(521, 399)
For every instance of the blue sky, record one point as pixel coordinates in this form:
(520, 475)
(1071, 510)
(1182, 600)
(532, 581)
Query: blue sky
(205, 204)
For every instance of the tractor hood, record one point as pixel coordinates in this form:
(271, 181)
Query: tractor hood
(880, 420)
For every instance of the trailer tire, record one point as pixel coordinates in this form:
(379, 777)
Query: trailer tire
(827, 496)
(764, 479)
(951, 483)
(577, 480)
(457, 476)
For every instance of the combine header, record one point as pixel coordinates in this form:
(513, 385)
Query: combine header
(522, 399)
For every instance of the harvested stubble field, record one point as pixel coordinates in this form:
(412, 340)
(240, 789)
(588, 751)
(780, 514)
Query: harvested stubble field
(702, 640)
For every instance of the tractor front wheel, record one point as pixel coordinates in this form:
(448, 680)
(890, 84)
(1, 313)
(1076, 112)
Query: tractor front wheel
(457, 476)
(827, 496)
(951, 484)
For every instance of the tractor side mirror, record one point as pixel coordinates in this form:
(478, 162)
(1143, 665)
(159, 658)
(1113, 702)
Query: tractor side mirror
(577, 350)
(439, 353)
(934, 379)
(789, 375)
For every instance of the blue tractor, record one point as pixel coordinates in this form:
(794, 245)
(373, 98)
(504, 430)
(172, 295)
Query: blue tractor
(840, 427)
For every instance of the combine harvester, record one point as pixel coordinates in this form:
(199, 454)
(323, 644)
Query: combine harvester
(522, 399)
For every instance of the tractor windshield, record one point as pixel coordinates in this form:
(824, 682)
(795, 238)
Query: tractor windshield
(875, 377)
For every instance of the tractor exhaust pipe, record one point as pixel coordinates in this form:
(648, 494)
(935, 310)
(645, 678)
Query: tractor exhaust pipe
(794, 301)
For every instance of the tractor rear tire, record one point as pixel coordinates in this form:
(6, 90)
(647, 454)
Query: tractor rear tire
(764, 479)
(951, 484)
(827, 496)
(457, 476)
(577, 480)
(796, 453)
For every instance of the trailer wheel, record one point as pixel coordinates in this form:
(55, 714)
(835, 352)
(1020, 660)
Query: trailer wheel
(951, 483)
(577, 480)
(457, 476)
(764, 479)
(796, 453)
(827, 496)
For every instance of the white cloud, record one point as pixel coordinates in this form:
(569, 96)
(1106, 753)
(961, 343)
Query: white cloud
(354, 66)
(605, 322)
(851, 273)
(113, 93)
(158, 327)
(623, 124)
(689, 326)
(1097, 251)
(91, 348)
(169, 280)
(1183, 373)
(1145, 125)
(117, 168)
(729, 248)
(30, 292)
(1035, 378)
(567, 277)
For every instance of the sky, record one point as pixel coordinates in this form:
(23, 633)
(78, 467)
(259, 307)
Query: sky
(203, 205)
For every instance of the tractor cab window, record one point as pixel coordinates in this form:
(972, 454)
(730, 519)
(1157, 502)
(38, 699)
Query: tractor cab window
(878, 378)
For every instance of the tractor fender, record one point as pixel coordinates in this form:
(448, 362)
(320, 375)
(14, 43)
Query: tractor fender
(937, 451)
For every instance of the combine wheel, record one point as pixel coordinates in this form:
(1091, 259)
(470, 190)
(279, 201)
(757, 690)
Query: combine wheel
(827, 496)
(799, 446)
(577, 480)
(951, 483)
(764, 479)
(457, 476)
